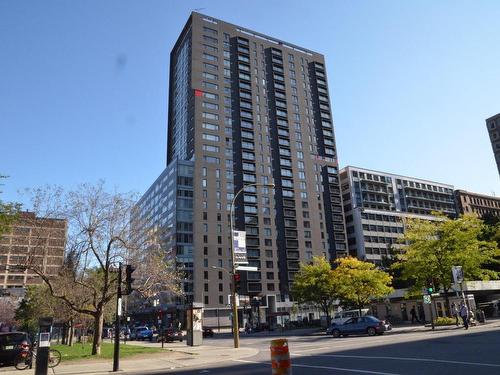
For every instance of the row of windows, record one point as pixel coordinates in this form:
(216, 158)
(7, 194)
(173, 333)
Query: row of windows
(378, 239)
(381, 228)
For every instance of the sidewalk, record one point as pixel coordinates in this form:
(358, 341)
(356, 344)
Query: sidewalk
(176, 356)
(278, 332)
(409, 328)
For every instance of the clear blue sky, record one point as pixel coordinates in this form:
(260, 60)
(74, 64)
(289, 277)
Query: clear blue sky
(83, 85)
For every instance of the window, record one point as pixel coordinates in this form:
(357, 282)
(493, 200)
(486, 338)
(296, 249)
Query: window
(209, 126)
(210, 39)
(210, 85)
(209, 48)
(210, 137)
(211, 116)
(210, 57)
(210, 31)
(210, 148)
(210, 75)
(212, 106)
(209, 95)
(209, 66)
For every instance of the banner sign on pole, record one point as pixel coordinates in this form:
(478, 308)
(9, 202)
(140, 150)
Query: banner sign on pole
(458, 274)
(240, 247)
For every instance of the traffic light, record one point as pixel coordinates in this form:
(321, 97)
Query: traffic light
(237, 280)
(129, 280)
(430, 286)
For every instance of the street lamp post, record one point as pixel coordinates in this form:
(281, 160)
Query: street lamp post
(236, 333)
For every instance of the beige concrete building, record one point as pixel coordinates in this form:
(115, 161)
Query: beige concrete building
(33, 239)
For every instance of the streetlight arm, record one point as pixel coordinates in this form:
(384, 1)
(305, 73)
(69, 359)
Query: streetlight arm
(236, 333)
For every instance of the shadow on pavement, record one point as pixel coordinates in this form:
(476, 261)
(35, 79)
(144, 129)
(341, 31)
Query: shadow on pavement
(467, 353)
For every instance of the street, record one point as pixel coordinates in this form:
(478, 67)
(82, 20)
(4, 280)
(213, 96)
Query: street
(440, 352)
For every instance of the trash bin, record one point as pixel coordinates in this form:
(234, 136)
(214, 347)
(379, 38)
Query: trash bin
(480, 316)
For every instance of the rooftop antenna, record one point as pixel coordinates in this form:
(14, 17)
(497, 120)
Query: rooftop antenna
(199, 9)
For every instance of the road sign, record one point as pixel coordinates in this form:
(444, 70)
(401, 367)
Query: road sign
(427, 300)
(240, 247)
(246, 268)
(458, 274)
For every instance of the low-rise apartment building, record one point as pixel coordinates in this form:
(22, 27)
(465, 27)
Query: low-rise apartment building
(376, 205)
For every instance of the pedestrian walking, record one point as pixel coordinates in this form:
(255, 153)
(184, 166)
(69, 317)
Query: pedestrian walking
(464, 314)
(413, 314)
(454, 312)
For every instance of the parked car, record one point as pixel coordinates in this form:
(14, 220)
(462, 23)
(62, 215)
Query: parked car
(171, 334)
(143, 333)
(342, 316)
(363, 325)
(208, 332)
(11, 344)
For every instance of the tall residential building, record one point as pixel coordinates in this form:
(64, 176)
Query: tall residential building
(41, 240)
(376, 205)
(480, 204)
(493, 126)
(246, 108)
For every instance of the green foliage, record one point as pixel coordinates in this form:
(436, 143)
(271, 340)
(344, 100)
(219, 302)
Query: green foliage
(37, 303)
(315, 284)
(444, 321)
(8, 214)
(434, 247)
(360, 282)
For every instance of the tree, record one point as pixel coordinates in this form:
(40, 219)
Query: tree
(360, 282)
(434, 247)
(7, 311)
(315, 284)
(8, 213)
(99, 238)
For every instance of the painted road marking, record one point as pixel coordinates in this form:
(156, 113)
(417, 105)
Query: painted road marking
(326, 368)
(408, 359)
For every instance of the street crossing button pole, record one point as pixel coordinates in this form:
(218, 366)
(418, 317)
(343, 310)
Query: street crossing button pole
(42, 352)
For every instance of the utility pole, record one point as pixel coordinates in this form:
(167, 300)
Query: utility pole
(116, 354)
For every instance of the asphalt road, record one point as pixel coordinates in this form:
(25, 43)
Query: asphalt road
(476, 351)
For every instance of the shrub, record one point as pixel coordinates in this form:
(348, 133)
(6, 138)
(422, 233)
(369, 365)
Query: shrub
(444, 321)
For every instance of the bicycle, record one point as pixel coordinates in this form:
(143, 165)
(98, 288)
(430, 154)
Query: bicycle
(24, 359)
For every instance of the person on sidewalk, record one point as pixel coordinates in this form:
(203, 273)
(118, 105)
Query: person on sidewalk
(413, 314)
(454, 312)
(464, 314)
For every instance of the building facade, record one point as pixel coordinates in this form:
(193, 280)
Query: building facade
(377, 204)
(482, 205)
(247, 109)
(493, 126)
(31, 239)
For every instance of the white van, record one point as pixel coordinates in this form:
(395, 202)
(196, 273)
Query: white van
(341, 316)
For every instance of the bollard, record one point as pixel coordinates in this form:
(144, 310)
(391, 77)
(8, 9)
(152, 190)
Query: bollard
(280, 357)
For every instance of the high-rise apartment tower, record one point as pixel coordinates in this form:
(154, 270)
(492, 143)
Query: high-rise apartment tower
(246, 108)
(493, 125)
